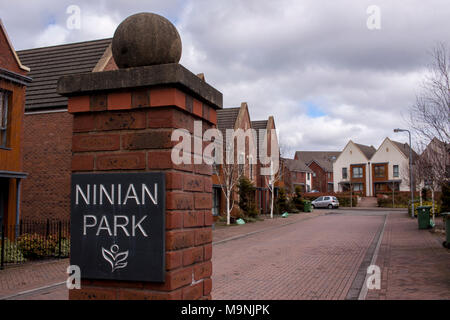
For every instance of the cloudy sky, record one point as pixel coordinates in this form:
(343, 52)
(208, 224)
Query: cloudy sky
(315, 65)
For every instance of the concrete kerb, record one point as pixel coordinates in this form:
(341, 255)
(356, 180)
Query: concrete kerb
(373, 209)
(23, 293)
(263, 230)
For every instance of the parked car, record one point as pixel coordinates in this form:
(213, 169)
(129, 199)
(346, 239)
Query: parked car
(314, 191)
(329, 202)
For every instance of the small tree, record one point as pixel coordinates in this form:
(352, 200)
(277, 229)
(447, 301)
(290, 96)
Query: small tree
(298, 201)
(271, 180)
(228, 173)
(282, 201)
(431, 111)
(246, 197)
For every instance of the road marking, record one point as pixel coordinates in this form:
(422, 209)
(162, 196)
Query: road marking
(356, 291)
(32, 291)
(364, 289)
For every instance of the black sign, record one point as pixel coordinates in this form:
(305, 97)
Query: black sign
(118, 226)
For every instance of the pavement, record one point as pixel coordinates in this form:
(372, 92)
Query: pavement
(318, 255)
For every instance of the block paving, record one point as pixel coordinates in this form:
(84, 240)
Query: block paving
(308, 256)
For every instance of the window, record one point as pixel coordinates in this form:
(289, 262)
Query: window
(358, 187)
(250, 164)
(329, 175)
(344, 173)
(357, 172)
(4, 114)
(241, 163)
(379, 171)
(308, 176)
(396, 171)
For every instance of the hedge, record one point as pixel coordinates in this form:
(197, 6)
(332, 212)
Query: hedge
(343, 197)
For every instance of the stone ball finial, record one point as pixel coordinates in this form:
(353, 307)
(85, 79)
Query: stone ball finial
(146, 39)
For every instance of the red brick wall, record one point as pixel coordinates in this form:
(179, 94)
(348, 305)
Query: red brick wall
(139, 139)
(47, 158)
(7, 59)
(320, 181)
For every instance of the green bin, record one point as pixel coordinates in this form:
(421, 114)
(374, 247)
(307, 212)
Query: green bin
(307, 206)
(423, 216)
(446, 216)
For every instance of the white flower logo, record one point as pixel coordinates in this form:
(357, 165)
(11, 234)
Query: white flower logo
(115, 258)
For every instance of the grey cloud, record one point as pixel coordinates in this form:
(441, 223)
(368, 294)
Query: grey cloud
(276, 55)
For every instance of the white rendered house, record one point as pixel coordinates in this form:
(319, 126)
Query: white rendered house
(352, 169)
(368, 170)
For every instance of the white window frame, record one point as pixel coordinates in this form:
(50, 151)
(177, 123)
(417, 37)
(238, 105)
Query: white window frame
(395, 173)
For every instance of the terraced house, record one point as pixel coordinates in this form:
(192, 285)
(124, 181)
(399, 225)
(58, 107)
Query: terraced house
(47, 132)
(321, 163)
(14, 79)
(262, 189)
(297, 174)
(234, 119)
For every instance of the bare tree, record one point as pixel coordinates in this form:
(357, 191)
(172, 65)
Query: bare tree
(229, 174)
(429, 116)
(433, 166)
(271, 180)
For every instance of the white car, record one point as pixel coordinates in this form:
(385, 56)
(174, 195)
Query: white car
(329, 202)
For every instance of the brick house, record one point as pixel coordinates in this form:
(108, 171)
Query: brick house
(321, 163)
(436, 156)
(297, 173)
(48, 125)
(234, 119)
(14, 80)
(262, 190)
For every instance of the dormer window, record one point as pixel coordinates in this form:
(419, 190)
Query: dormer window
(4, 117)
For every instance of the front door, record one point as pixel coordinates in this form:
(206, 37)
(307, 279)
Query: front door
(216, 201)
(4, 188)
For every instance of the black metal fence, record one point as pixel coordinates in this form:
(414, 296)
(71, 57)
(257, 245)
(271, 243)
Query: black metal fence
(34, 240)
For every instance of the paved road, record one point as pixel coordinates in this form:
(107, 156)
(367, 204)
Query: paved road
(323, 256)
(314, 259)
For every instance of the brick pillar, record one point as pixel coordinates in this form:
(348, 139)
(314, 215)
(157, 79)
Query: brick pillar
(123, 121)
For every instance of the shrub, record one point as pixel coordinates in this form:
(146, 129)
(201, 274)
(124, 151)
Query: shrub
(401, 199)
(13, 254)
(437, 207)
(297, 199)
(344, 200)
(65, 248)
(246, 197)
(282, 201)
(445, 198)
(35, 246)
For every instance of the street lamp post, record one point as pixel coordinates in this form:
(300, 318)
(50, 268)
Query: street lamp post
(410, 169)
